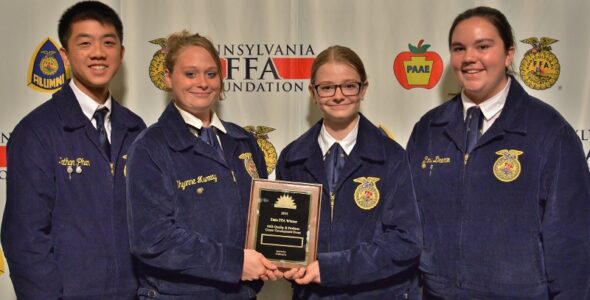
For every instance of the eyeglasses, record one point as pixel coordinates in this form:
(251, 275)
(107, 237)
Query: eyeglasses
(347, 89)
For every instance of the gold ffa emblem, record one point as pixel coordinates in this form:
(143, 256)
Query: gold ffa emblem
(249, 164)
(507, 167)
(157, 65)
(539, 68)
(270, 153)
(366, 195)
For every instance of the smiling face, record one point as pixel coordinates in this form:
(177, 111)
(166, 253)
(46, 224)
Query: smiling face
(94, 54)
(338, 109)
(195, 81)
(479, 58)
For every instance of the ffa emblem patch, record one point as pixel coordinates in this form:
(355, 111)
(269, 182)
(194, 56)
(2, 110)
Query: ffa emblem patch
(539, 68)
(366, 195)
(249, 164)
(47, 71)
(507, 167)
(156, 70)
(270, 153)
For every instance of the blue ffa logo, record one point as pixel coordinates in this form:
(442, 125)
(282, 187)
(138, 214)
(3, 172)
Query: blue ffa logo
(47, 71)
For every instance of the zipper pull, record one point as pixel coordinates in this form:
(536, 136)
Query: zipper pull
(112, 169)
(466, 158)
(332, 198)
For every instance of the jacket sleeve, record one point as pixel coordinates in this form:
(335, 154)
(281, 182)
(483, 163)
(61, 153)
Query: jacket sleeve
(157, 238)
(566, 221)
(395, 250)
(26, 225)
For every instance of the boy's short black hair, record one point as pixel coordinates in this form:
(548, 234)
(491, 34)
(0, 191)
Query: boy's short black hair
(87, 10)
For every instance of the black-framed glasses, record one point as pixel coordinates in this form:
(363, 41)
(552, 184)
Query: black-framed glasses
(347, 89)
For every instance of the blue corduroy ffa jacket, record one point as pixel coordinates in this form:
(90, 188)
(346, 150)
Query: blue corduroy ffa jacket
(64, 229)
(512, 219)
(188, 210)
(363, 253)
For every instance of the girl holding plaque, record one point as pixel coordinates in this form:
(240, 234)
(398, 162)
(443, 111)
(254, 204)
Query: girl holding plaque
(189, 178)
(501, 180)
(369, 235)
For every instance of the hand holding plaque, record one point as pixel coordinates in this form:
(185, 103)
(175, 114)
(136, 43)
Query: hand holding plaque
(283, 221)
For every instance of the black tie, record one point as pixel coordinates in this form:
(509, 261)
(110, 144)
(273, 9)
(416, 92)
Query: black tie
(99, 116)
(207, 135)
(334, 162)
(474, 124)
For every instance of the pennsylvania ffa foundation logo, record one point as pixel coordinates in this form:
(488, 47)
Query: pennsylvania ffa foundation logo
(47, 71)
(539, 68)
(249, 164)
(156, 69)
(418, 68)
(507, 167)
(269, 150)
(366, 195)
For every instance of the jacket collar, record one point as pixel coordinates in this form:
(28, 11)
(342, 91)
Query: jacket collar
(367, 145)
(513, 118)
(71, 114)
(179, 136)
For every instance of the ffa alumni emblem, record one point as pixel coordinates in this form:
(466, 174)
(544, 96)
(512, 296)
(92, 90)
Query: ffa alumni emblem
(270, 153)
(507, 167)
(47, 71)
(157, 65)
(539, 68)
(366, 195)
(249, 164)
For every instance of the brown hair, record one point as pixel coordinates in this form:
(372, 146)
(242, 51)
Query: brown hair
(338, 54)
(179, 40)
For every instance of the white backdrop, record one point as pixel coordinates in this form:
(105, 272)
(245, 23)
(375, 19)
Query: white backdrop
(250, 32)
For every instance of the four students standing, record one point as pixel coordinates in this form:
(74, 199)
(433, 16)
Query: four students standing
(494, 213)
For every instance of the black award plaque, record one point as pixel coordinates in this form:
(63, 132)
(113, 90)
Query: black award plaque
(283, 221)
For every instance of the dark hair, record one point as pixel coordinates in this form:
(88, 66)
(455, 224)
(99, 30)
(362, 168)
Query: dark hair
(492, 15)
(87, 10)
(338, 54)
(179, 40)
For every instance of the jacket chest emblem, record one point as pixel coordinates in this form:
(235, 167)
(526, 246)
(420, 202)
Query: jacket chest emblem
(507, 167)
(249, 164)
(366, 194)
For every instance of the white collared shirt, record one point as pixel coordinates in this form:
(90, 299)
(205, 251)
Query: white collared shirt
(89, 106)
(490, 108)
(347, 143)
(196, 123)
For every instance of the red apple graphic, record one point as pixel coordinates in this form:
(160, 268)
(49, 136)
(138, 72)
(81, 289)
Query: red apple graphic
(418, 68)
